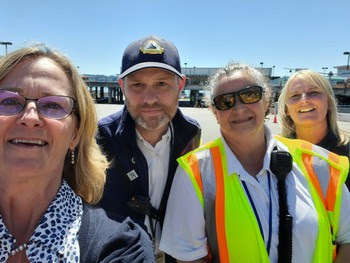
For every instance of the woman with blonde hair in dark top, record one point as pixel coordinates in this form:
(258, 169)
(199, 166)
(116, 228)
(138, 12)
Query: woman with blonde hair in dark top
(307, 110)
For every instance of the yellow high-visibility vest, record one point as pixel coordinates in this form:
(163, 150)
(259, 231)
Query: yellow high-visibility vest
(235, 236)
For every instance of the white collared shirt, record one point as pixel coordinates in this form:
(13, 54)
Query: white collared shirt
(157, 158)
(184, 234)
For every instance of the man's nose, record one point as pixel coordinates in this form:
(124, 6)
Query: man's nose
(150, 95)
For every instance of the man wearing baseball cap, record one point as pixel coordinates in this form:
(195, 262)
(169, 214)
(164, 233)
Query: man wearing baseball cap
(145, 138)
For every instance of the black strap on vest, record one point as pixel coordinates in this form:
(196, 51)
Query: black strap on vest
(281, 164)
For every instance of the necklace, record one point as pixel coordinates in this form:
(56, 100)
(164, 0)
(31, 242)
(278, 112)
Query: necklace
(18, 249)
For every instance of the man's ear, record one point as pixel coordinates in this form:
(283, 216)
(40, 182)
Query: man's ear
(182, 82)
(121, 84)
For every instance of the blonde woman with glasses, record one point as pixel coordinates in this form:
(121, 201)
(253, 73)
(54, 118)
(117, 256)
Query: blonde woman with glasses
(52, 172)
(308, 111)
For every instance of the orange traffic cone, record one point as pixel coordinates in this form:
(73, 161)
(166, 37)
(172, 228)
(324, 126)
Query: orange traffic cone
(275, 119)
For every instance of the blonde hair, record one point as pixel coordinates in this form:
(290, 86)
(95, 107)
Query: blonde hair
(287, 124)
(234, 67)
(88, 175)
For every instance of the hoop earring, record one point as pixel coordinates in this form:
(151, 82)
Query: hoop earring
(72, 157)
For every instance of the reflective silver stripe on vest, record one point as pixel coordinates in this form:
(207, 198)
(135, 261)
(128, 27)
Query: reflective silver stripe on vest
(322, 173)
(209, 193)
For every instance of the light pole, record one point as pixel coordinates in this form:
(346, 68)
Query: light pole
(185, 67)
(261, 64)
(6, 44)
(324, 70)
(273, 70)
(347, 53)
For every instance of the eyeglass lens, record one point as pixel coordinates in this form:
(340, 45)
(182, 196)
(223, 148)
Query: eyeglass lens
(52, 107)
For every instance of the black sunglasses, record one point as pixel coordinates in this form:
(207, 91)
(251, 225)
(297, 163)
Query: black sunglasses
(248, 95)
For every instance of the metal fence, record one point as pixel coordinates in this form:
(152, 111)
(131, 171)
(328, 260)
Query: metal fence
(344, 108)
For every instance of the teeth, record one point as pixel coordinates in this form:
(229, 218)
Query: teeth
(307, 110)
(38, 142)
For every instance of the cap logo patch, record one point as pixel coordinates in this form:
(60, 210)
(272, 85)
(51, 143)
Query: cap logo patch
(151, 47)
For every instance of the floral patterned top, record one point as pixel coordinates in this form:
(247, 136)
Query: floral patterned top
(56, 237)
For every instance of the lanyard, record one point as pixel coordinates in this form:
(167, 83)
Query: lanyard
(166, 190)
(256, 213)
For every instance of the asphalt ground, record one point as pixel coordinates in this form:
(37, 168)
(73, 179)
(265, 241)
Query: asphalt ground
(210, 128)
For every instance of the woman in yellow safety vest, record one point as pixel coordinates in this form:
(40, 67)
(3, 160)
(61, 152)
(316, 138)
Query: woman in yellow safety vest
(308, 111)
(252, 197)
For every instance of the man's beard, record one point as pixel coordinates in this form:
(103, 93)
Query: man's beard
(151, 123)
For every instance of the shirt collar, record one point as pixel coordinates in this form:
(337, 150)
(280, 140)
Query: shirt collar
(163, 141)
(234, 166)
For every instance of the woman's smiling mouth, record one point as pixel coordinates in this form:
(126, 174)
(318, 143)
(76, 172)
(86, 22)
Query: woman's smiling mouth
(28, 142)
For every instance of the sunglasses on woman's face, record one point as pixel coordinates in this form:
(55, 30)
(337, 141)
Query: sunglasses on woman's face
(52, 107)
(248, 95)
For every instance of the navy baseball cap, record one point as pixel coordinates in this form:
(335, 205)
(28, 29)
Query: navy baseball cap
(150, 52)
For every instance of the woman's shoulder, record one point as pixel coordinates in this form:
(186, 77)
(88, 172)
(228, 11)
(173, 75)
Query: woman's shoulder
(333, 143)
(102, 239)
(343, 149)
(97, 219)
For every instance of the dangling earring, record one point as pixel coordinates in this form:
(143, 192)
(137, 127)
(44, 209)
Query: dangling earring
(72, 157)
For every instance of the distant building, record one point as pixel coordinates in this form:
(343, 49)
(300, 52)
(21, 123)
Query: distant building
(343, 71)
(211, 71)
(101, 78)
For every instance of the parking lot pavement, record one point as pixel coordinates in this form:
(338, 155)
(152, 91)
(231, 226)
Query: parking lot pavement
(210, 128)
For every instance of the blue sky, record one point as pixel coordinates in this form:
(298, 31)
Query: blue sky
(285, 34)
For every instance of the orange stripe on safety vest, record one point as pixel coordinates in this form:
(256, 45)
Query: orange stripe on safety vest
(307, 160)
(332, 190)
(334, 179)
(333, 157)
(193, 162)
(220, 205)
